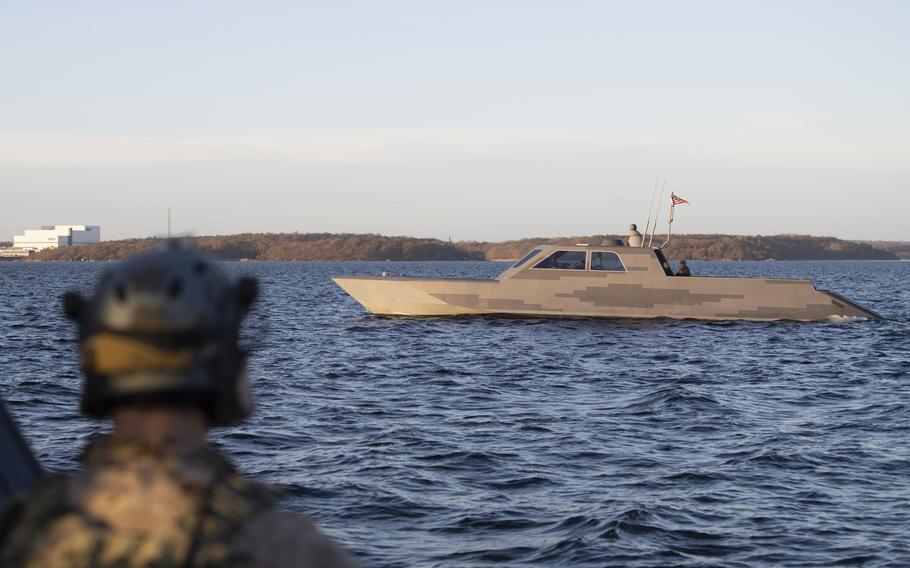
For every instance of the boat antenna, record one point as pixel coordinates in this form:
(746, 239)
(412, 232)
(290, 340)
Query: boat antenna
(168, 222)
(657, 213)
(653, 195)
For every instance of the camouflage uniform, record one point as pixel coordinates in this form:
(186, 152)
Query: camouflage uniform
(161, 333)
(165, 505)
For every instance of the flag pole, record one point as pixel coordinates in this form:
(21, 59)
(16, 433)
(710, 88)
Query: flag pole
(669, 226)
(653, 195)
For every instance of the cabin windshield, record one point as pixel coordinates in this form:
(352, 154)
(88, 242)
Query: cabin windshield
(601, 260)
(527, 257)
(564, 260)
(663, 262)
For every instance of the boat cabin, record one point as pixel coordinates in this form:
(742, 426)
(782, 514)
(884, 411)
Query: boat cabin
(580, 259)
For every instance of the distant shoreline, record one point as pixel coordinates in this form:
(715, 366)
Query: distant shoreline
(252, 261)
(249, 247)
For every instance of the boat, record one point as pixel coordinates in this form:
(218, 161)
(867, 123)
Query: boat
(611, 280)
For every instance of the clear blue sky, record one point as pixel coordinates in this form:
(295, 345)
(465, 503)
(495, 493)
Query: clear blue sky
(479, 120)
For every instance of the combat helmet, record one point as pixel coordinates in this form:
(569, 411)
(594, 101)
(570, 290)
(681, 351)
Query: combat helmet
(163, 328)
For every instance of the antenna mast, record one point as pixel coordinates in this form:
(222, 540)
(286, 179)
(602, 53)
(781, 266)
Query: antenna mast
(653, 195)
(168, 222)
(657, 214)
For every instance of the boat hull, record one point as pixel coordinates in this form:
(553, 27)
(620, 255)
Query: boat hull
(605, 296)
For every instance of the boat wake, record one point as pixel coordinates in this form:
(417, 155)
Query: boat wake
(841, 319)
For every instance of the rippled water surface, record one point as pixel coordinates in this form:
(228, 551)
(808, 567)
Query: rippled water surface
(481, 441)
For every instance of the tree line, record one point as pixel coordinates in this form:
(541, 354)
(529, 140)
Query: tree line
(777, 247)
(279, 246)
(346, 246)
(900, 248)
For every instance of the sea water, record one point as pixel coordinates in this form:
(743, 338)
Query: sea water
(485, 441)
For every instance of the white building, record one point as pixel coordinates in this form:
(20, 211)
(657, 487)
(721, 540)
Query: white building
(53, 236)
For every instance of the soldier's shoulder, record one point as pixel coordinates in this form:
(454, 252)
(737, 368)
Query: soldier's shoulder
(30, 513)
(46, 499)
(276, 539)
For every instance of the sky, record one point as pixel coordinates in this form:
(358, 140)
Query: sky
(475, 120)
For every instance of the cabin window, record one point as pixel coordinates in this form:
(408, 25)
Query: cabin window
(606, 261)
(564, 260)
(527, 257)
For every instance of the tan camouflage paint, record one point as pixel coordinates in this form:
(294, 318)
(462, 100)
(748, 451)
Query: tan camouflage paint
(643, 290)
(136, 505)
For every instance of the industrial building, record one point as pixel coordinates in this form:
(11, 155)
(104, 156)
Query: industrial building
(53, 236)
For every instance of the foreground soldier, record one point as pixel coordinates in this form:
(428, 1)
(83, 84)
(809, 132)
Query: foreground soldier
(159, 345)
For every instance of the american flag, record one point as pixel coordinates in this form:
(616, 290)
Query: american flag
(678, 200)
